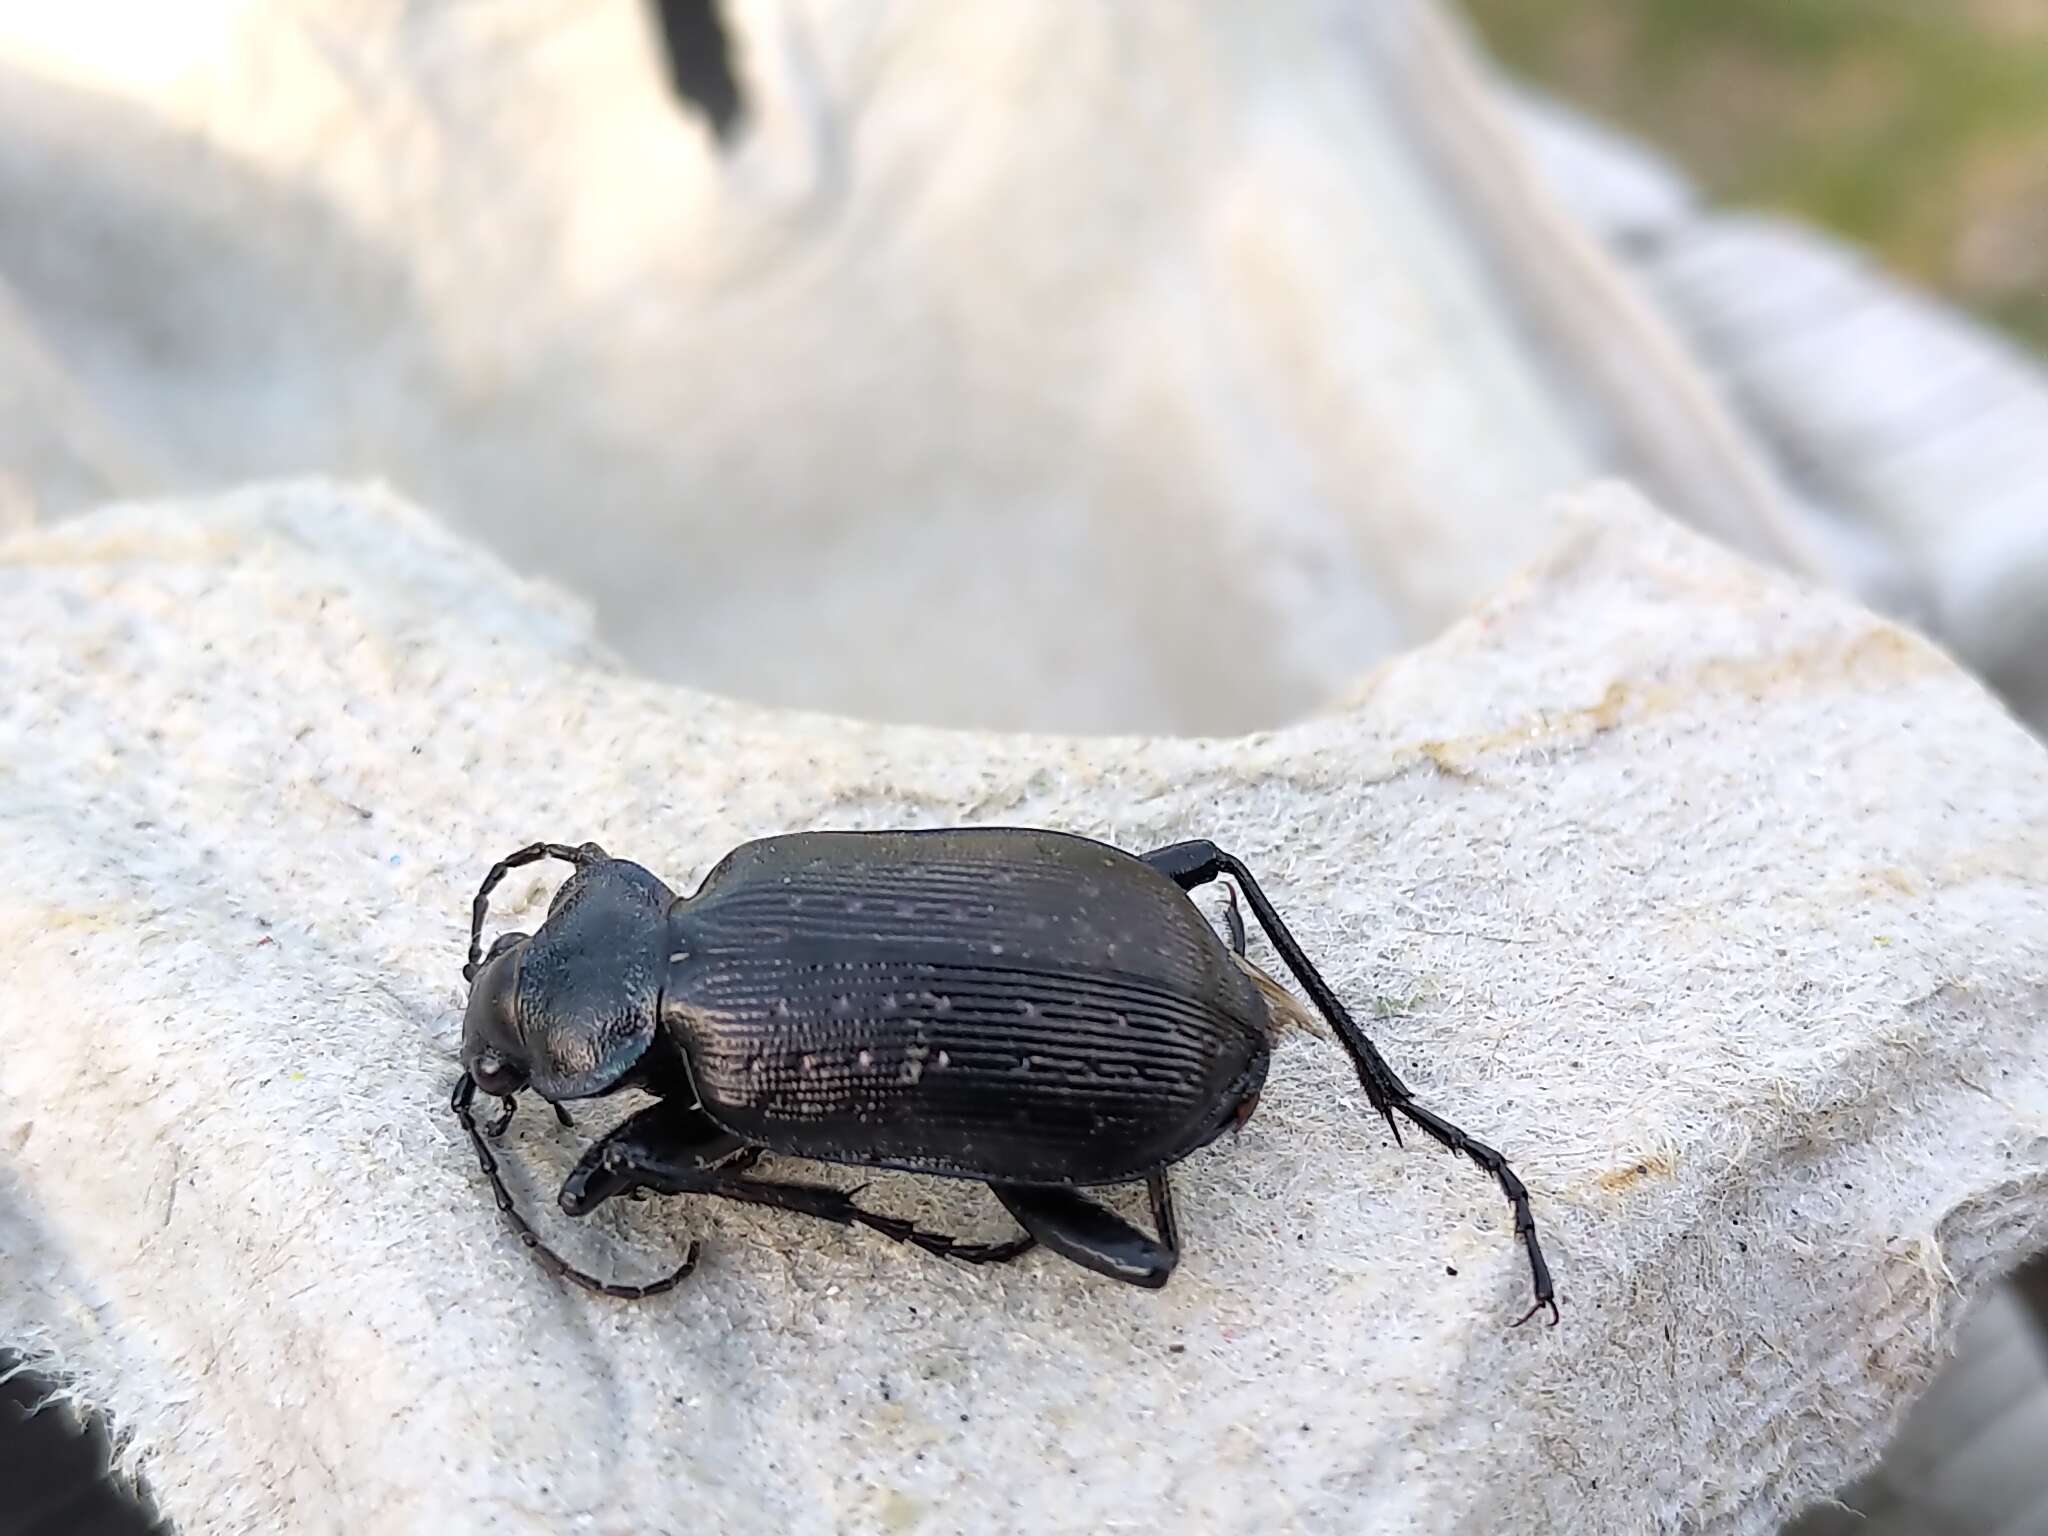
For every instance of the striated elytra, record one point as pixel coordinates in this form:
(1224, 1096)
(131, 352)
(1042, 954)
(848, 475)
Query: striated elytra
(1034, 1010)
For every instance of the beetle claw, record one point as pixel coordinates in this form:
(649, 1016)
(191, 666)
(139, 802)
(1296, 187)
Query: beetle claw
(496, 1129)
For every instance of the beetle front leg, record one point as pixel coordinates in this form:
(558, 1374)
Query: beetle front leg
(461, 1100)
(663, 1134)
(1197, 863)
(509, 1106)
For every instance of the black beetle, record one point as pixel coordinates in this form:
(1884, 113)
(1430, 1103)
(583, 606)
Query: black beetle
(1035, 1010)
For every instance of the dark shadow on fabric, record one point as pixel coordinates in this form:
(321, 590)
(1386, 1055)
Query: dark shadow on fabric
(54, 1470)
(700, 61)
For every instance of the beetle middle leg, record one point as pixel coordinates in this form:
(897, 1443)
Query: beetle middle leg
(645, 1152)
(1075, 1227)
(1197, 863)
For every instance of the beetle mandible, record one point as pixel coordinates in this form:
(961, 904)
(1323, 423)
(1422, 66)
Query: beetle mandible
(1035, 1010)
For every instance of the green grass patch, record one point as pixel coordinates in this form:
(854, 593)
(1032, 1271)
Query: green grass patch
(1918, 128)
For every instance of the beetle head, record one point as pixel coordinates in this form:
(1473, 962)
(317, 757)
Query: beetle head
(493, 1051)
(571, 1010)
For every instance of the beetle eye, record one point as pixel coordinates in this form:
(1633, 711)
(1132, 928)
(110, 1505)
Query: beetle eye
(495, 1076)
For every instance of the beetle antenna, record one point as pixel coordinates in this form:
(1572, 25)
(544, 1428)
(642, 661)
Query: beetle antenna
(460, 1101)
(532, 853)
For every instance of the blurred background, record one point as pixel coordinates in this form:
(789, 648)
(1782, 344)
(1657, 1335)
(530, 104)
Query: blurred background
(1109, 369)
(1918, 131)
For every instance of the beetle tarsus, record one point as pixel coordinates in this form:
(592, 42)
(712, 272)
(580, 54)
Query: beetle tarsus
(837, 1206)
(508, 1106)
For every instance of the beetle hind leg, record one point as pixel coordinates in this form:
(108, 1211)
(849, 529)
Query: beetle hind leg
(1076, 1228)
(1197, 863)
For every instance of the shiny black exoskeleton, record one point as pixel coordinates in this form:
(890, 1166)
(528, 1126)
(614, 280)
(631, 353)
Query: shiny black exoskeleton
(1037, 1011)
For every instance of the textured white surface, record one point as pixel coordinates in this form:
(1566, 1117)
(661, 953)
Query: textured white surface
(1967, 1459)
(1918, 438)
(1638, 390)
(1917, 424)
(1020, 365)
(1282, 323)
(1722, 906)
